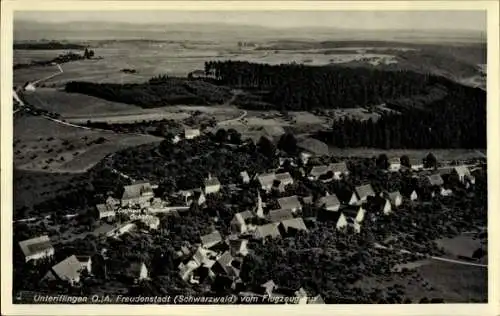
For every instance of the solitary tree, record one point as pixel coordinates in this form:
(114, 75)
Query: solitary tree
(383, 161)
(405, 161)
(430, 161)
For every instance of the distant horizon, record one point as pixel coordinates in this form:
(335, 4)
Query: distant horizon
(423, 21)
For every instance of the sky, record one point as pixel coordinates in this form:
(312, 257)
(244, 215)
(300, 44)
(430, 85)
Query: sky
(414, 20)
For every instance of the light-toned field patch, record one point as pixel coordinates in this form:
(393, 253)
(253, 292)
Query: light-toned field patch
(43, 145)
(460, 245)
(441, 154)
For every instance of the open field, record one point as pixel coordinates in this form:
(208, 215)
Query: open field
(43, 145)
(459, 246)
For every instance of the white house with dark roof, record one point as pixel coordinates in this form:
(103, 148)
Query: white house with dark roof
(67, 270)
(139, 193)
(191, 133)
(37, 248)
(396, 198)
(212, 185)
(290, 202)
(85, 263)
(210, 240)
(329, 202)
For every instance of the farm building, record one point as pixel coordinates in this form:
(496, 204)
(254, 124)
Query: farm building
(268, 230)
(291, 203)
(191, 133)
(330, 202)
(292, 226)
(361, 194)
(279, 215)
(37, 248)
(210, 240)
(137, 194)
(212, 185)
(105, 211)
(266, 181)
(67, 270)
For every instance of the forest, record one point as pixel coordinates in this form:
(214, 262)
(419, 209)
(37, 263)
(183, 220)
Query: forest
(47, 45)
(61, 59)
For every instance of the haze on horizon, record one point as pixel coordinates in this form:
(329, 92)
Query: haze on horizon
(359, 20)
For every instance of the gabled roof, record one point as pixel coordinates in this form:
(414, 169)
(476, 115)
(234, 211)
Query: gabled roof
(338, 167)
(294, 223)
(225, 259)
(284, 177)
(328, 201)
(462, 171)
(279, 215)
(364, 191)
(68, 269)
(393, 196)
(136, 190)
(243, 216)
(317, 171)
(211, 238)
(289, 202)
(32, 246)
(350, 210)
(270, 230)
(435, 180)
(104, 208)
(237, 245)
(266, 179)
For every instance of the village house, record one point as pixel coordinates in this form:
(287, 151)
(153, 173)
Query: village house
(394, 164)
(279, 215)
(354, 211)
(210, 240)
(339, 170)
(304, 157)
(330, 202)
(318, 299)
(212, 185)
(318, 171)
(463, 174)
(268, 288)
(186, 269)
(67, 270)
(266, 181)
(416, 164)
(435, 180)
(308, 199)
(182, 253)
(240, 222)
(223, 265)
(341, 222)
(85, 263)
(196, 196)
(291, 203)
(259, 209)
(284, 180)
(292, 226)
(176, 139)
(137, 194)
(106, 211)
(395, 197)
(37, 248)
(112, 202)
(151, 221)
(413, 195)
(361, 194)
(29, 86)
(191, 133)
(268, 230)
(238, 247)
(244, 177)
(137, 271)
(354, 224)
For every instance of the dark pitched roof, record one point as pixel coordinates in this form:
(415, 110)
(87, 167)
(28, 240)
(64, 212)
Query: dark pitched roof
(393, 195)
(289, 202)
(136, 190)
(211, 238)
(268, 230)
(294, 223)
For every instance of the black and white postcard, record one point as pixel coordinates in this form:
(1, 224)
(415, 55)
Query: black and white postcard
(158, 155)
